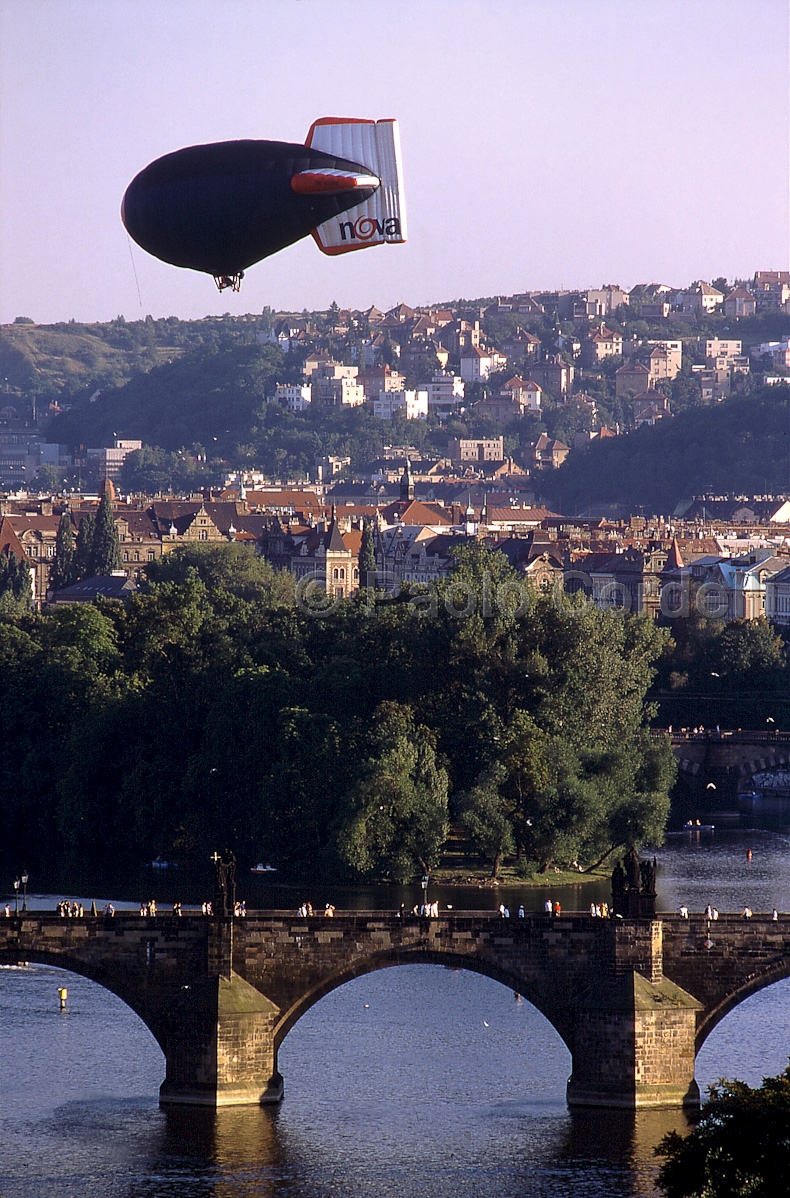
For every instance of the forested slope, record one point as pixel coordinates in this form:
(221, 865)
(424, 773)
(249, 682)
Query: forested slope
(741, 446)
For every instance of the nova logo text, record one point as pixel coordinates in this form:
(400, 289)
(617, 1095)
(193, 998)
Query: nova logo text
(365, 228)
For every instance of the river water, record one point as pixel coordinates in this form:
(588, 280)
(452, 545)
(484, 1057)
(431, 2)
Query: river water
(413, 1082)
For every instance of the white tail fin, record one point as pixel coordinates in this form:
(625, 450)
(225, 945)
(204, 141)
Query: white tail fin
(382, 218)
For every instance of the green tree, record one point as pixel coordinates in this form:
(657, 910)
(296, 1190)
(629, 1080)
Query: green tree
(740, 1147)
(105, 553)
(486, 819)
(64, 567)
(16, 584)
(397, 819)
(231, 571)
(367, 555)
(83, 557)
(49, 478)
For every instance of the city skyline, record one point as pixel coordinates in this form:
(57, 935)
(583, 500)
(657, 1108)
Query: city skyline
(545, 145)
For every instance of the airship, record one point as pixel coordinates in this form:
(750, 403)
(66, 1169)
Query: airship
(220, 208)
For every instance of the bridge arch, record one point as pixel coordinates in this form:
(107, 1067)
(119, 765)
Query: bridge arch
(113, 982)
(776, 973)
(389, 958)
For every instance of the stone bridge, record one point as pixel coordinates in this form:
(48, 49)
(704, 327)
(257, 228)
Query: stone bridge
(726, 758)
(633, 999)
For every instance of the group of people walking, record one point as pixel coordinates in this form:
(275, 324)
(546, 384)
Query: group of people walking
(307, 909)
(711, 913)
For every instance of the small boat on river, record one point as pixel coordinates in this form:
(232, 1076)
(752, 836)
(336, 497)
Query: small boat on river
(692, 826)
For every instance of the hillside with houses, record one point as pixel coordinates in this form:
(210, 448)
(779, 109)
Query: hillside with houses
(566, 379)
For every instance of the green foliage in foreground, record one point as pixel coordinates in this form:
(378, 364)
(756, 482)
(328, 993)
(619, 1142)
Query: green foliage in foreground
(213, 710)
(740, 1148)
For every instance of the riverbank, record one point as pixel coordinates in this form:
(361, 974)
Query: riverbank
(509, 876)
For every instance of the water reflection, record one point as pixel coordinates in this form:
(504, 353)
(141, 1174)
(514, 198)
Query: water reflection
(613, 1141)
(230, 1153)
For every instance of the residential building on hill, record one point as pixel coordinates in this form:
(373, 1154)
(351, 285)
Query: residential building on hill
(771, 288)
(649, 407)
(701, 297)
(740, 302)
(632, 378)
(553, 374)
(295, 397)
(490, 449)
(336, 386)
(516, 398)
(548, 453)
(602, 343)
(602, 301)
(445, 394)
(411, 404)
(477, 363)
(375, 379)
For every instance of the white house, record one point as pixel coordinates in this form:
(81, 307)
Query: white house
(296, 397)
(744, 581)
(411, 404)
(445, 394)
(477, 364)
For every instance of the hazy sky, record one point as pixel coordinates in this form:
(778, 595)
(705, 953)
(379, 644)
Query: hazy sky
(546, 143)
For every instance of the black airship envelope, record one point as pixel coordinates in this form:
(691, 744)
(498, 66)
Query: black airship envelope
(219, 208)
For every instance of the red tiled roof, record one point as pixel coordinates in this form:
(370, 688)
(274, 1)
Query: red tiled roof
(9, 541)
(415, 512)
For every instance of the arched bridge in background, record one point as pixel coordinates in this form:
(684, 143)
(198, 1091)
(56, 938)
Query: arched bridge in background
(633, 999)
(728, 759)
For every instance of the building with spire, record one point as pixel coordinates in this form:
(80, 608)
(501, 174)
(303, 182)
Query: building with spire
(407, 483)
(330, 558)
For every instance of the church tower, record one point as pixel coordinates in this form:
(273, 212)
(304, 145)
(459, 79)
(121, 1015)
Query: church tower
(407, 484)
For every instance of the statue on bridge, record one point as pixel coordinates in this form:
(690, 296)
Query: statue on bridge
(634, 887)
(224, 883)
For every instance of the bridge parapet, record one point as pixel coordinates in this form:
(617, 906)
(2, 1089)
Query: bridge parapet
(725, 960)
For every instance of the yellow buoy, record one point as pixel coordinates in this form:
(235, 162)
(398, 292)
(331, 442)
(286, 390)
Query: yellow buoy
(62, 995)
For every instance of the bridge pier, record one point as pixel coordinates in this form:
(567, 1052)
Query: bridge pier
(218, 1041)
(633, 1043)
(219, 1047)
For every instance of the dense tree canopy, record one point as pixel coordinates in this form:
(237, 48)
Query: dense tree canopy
(738, 446)
(733, 674)
(740, 1147)
(213, 708)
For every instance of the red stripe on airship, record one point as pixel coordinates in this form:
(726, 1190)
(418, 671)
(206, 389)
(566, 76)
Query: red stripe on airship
(323, 181)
